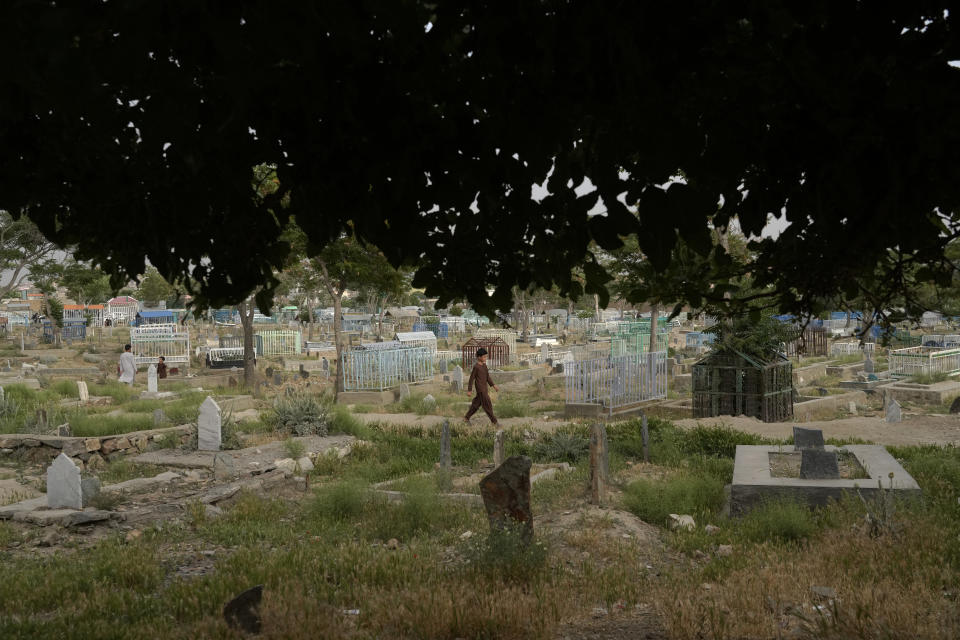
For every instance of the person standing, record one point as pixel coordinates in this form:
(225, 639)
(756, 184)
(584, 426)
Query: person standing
(161, 367)
(480, 377)
(127, 366)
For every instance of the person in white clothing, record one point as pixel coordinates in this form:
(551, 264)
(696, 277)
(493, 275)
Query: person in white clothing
(127, 367)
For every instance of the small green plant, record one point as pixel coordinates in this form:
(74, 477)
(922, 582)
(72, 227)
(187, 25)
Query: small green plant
(294, 448)
(338, 502)
(509, 406)
(107, 500)
(562, 446)
(196, 513)
(169, 440)
(778, 520)
(66, 388)
(300, 414)
(653, 501)
(506, 554)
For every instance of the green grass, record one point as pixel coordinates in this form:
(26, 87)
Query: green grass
(89, 425)
(512, 406)
(119, 391)
(929, 378)
(66, 388)
(698, 495)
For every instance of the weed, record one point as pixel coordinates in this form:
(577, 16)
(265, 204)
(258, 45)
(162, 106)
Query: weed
(196, 513)
(511, 406)
(506, 555)
(66, 388)
(562, 446)
(778, 520)
(107, 500)
(929, 378)
(294, 448)
(342, 421)
(300, 414)
(653, 501)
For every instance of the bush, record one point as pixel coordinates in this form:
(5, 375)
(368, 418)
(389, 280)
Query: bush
(300, 414)
(66, 388)
(780, 520)
(504, 554)
(342, 421)
(562, 446)
(654, 500)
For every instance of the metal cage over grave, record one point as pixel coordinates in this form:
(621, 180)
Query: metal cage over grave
(617, 381)
(122, 310)
(949, 341)
(438, 329)
(236, 342)
(383, 365)
(152, 341)
(507, 335)
(814, 343)
(498, 351)
(849, 348)
(916, 361)
(74, 330)
(49, 331)
(425, 339)
(728, 382)
(279, 342)
(154, 316)
(225, 357)
(636, 342)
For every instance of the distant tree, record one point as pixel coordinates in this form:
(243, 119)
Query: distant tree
(24, 251)
(85, 283)
(154, 288)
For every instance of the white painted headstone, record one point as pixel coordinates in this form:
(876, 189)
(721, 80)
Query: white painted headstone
(152, 378)
(63, 484)
(544, 351)
(83, 391)
(893, 411)
(208, 426)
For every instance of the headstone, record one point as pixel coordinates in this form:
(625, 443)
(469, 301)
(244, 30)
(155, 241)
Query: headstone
(208, 426)
(152, 379)
(83, 391)
(807, 438)
(63, 484)
(506, 496)
(159, 417)
(64, 430)
(868, 366)
(404, 391)
(443, 366)
(597, 476)
(853, 407)
(89, 489)
(243, 612)
(457, 376)
(544, 351)
(277, 379)
(818, 464)
(498, 445)
(325, 364)
(893, 411)
(446, 460)
(269, 372)
(223, 466)
(954, 406)
(41, 420)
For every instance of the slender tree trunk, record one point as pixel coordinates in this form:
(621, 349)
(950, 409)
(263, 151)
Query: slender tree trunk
(246, 309)
(337, 340)
(596, 307)
(654, 316)
(309, 321)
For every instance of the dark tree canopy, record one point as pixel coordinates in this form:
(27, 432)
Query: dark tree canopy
(131, 130)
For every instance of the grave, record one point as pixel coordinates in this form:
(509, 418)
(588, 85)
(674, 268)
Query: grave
(456, 380)
(152, 378)
(755, 478)
(83, 392)
(446, 460)
(208, 426)
(64, 487)
(893, 414)
(807, 438)
(819, 464)
(506, 496)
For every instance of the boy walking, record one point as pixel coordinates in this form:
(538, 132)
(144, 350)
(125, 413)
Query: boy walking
(480, 377)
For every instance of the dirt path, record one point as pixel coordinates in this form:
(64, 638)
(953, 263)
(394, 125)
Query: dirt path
(914, 430)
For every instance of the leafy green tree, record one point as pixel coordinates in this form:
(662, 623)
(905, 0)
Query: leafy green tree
(24, 253)
(154, 288)
(85, 283)
(122, 126)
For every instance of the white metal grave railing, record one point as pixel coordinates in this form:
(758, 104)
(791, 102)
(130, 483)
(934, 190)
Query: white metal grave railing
(279, 342)
(149, 342)
(914, 361)
(851, 348)
(220, 355)
(379, 369)
(617, 381)
(941, 341)
(445, 355)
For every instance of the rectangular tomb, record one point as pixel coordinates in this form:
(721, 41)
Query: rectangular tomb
(753, 481)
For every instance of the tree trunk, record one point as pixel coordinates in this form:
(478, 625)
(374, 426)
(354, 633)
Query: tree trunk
(596, 307)
(337, 340)
(309, 321)
(652, 350)
(246, 309)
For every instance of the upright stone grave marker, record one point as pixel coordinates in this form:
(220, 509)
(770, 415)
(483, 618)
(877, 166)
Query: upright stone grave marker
(868, 365)
(152, 379)
(893, 411)
(83, 392)
(818, 464)
(446, 459)
(404, 391)
(506, 496)
(159, 417)
(208, 426)
(456, 379)
(807, 438)
(443, 365)
(498, 442)
(544, 352)
(64, 489)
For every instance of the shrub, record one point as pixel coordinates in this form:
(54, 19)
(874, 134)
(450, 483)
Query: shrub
(504, 554)
(66, 388)
(654, 500)
(778, 520)
(562, 446)
(338, 502)
(342, 421)
(300, 414)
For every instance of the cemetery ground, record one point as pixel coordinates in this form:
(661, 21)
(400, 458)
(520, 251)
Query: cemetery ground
(355, 531)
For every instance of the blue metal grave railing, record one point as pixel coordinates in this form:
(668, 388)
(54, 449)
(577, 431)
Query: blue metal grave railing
(700, 338)
(439, 329)
(366, 369)
(48, 331)
(624, 344)
(74, 330)
(617, 381)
